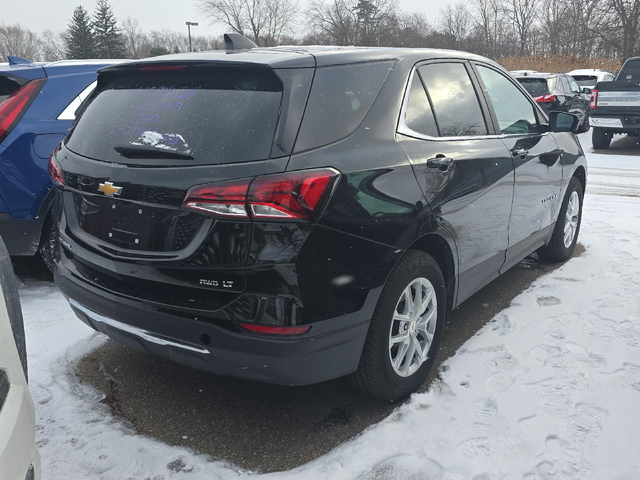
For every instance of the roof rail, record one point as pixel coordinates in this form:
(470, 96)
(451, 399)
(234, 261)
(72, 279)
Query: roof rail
(235, 41)
(18, 60)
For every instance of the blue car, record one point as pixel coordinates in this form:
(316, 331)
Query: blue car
(38, 102)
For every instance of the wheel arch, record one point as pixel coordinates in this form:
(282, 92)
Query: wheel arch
(581, 174)
(440, 249)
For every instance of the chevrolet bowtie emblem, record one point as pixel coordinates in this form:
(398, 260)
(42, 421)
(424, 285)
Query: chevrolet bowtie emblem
(109, 189)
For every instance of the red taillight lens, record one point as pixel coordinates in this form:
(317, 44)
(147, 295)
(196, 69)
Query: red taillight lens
(545, 98)
(272, 330)
(289, 195)
(55, 170)
(225, 199)
(594, 99)
(296, 195)
(15, 105)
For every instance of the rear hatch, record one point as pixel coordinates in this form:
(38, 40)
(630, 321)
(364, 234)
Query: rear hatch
(588, 81)
(149, 134)
(619, 98)
(535, 86)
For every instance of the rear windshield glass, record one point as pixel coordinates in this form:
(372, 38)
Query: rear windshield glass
(585, 80)
(630, 72)
(203, 116)
(340, 98)
(7, 86)
(535, 86)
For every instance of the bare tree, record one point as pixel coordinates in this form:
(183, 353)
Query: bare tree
(488, 18)
(136, 42)
(622, 26)
(19, 41)
(456, 23)
(53, 46)
(523, 14)
(263, 21)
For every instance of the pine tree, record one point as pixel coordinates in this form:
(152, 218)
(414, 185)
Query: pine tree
(109, 41)
(79, 38)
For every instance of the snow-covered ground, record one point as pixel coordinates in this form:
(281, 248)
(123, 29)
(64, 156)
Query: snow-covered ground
(550, 389)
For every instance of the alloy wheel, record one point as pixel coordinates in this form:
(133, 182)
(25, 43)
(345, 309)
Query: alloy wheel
(413, 327)
(571, 219)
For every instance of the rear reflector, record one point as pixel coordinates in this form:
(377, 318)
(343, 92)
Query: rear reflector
(271, 330)
(594, 99)
(15, 105)
(287, 196)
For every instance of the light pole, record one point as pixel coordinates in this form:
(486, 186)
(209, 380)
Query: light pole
(189, 25)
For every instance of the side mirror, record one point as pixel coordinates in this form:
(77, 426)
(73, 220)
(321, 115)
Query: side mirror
(586, 90)
(563, 122)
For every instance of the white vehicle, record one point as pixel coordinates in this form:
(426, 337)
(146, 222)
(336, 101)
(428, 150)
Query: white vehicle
(516, 73)
(19, 457)
(588, 77)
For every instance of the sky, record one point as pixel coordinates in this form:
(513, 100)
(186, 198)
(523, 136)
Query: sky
(39, 15)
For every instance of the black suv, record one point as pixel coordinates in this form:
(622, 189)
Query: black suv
(558, 92)
(293, 215)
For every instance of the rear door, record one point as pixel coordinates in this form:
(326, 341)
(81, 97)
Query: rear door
(536, 160)
(465, 173)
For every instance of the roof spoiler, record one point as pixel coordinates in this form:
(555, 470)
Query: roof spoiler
(18, 60)
(235, 41)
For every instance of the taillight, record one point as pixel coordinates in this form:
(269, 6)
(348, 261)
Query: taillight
(593, 103)
(55, 170)
(15, 105)
(274, 330)
(545, 98)
(295, 195)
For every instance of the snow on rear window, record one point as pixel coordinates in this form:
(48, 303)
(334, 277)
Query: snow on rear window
(214, 115)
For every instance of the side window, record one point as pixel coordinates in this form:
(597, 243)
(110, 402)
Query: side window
(418, 115)
(454, 100)
(565, 84)
(514, 112)
(574, 86)
(69, 113)
(339, 100)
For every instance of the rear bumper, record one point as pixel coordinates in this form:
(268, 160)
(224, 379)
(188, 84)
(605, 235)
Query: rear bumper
(18, 453)
(329, 350)
(621, 123)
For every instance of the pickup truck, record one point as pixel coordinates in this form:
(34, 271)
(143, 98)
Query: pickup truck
(615, 106)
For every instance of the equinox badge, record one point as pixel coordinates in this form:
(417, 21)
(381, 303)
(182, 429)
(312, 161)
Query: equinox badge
(109, 189)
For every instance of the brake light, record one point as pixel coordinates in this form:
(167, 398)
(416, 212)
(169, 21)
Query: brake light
(15, 105)
(273, 330)
(593, 103)
(55, 170)
(545, 98)
(295, 195)
(156, 68)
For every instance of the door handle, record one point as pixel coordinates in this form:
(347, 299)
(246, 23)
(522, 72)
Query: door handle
(519, 152)
(441, 162)
(550, 158)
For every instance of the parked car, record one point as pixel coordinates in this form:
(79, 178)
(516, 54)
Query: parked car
(588, 77)
(615, 106)
(19, 458)
(517, 73)
(558, 92)
(229, 213)
(37, 106)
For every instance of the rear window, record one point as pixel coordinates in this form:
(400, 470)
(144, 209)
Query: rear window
(630, 72)
(340, 98)
(8, 85)
(585, 80)
(213, 115)
(535, 86)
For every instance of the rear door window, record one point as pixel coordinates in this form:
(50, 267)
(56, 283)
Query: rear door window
(514, 112)
(455, 103)
(213, 115)
(535, 86)
(419, 115)
(339, 100)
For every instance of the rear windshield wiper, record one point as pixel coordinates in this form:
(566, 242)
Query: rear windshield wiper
(147, 151)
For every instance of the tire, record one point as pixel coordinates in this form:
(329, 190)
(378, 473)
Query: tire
(12, 301)
(600, 138)
(557, 250)
(376, 375)
(48, 243)
(585, 125)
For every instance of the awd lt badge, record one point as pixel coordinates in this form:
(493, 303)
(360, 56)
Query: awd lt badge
(109, 189)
